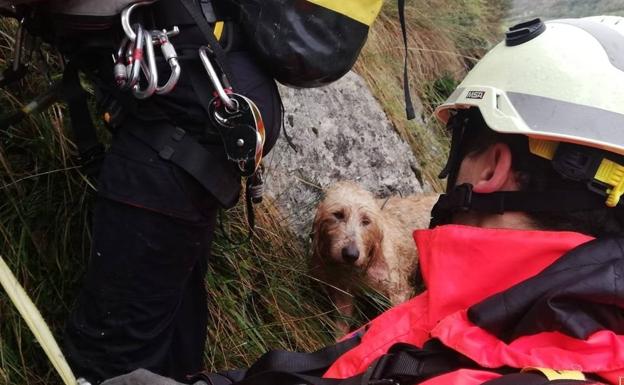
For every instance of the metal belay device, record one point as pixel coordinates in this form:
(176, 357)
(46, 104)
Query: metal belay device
(238, 120)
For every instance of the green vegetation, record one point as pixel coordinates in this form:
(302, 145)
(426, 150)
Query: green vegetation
(260, 294)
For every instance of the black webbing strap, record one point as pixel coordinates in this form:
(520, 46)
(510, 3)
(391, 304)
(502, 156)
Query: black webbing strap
(403, 365)
(204, 27)
(90, 150)
(409, 106)
(462, 198)
(205, 163)
(281, 365)
(310, 363)
(407, 364)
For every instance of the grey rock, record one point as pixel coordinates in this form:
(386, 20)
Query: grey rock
(337, 132)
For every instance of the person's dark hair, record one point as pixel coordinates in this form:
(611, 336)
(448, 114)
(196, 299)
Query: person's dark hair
(537, 174)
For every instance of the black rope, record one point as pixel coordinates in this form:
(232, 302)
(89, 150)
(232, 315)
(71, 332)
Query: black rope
(409, 106)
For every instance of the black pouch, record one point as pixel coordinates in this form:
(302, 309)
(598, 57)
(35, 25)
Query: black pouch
(307, 43)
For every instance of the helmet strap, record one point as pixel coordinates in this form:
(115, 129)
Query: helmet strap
(462, 199)
(451, 169)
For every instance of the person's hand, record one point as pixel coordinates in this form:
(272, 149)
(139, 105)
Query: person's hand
(140, 377)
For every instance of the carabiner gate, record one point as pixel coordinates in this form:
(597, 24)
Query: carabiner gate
(170, 55)
(214, 78)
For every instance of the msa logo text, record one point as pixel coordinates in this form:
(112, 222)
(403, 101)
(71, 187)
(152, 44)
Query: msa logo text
(479, 95)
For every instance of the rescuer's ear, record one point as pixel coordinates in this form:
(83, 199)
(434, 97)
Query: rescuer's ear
(494, 172)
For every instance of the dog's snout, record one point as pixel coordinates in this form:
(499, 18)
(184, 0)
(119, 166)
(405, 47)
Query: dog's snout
(350, 253)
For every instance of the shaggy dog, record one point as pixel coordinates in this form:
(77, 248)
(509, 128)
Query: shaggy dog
(358, 240)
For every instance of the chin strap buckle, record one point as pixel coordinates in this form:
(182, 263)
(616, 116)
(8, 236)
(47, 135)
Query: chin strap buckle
(460, 199)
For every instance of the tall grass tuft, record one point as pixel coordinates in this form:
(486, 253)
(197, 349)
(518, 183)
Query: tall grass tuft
(261, 296)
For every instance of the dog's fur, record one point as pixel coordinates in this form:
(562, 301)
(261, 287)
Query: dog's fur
(359, 240)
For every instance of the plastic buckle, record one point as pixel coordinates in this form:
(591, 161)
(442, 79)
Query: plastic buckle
(375, 373)
(461, 197)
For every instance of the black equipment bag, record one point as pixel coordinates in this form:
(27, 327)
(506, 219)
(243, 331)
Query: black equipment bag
(307, 43)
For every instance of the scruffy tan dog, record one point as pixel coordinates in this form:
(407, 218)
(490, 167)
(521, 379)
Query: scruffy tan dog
(359, 240)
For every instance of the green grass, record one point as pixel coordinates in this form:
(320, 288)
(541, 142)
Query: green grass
(261, 296)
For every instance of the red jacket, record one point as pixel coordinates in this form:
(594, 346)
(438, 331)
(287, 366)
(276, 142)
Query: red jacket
(465, 267)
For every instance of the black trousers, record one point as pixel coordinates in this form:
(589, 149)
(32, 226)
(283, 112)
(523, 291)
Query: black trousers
(143, 303)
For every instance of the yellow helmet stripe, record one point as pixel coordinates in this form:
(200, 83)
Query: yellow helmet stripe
(364, 11)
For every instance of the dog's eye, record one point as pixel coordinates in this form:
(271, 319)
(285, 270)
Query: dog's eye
(338, 215)
(366, 221)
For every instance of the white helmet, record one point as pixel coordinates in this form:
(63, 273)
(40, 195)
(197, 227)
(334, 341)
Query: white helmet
(559, 81)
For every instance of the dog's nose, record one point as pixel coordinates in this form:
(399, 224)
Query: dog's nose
(350, 253)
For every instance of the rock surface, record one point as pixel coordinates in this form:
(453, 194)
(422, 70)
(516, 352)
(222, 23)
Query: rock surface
(337, 132)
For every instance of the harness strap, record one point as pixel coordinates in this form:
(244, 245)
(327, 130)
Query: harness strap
(463, 199)
(206, 163)
(404, 364)
(279, 365)
(90, 150)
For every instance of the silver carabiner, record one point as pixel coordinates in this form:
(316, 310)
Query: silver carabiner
(135, 56)
(216, 82)
(125, 18)
(170, 55)
(149, 70)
